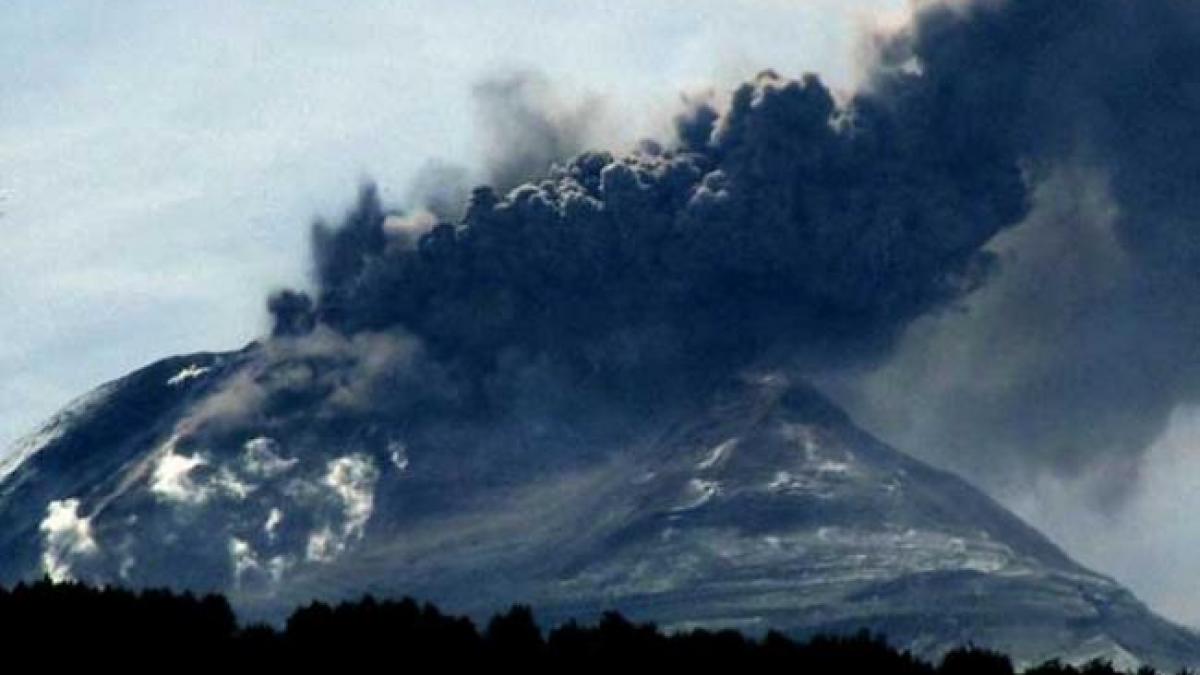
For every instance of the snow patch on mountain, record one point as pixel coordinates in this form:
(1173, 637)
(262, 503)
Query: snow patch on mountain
(172, 480)
(699, 492)
(191, 372)
(271, 526)
(719, 453)
(398, 454)
(67, 535)
(262, 458)
(249, 567)
(193, 479)
(352, 479)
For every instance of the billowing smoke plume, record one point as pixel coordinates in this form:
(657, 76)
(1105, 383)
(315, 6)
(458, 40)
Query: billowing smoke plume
(1073, 357)
(793, 229)
(786, 225)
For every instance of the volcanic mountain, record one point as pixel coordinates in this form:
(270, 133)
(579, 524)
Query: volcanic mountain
(754, 503)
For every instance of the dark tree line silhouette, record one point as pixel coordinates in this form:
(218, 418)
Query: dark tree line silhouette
(59, 623)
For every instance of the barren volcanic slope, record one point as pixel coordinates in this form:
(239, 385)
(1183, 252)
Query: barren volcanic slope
(757, 504)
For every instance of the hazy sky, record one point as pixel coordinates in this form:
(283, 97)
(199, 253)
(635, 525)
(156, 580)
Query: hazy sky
(160, 164)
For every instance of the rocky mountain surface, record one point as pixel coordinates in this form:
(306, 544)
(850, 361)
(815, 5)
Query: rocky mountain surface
(757, 504)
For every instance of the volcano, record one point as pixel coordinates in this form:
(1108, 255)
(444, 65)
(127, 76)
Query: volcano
(754, 503)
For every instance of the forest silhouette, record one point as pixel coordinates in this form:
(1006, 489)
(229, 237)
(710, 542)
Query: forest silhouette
(63, 623)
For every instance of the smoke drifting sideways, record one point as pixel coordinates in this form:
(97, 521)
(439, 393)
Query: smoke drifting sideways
(1069, 363)
(786, 226)
(1048, 147)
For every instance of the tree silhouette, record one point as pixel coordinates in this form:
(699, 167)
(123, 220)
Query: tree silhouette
(162, 629)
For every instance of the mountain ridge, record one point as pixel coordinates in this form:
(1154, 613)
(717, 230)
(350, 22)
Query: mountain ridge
(755, 505)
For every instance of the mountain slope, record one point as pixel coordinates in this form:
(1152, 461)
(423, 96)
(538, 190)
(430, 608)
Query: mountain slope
(756, 504)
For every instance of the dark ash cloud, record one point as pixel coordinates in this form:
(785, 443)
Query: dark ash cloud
(1042, 154)
(1072, 359)
(798, 229)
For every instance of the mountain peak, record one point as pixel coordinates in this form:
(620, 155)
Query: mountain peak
(755, 505)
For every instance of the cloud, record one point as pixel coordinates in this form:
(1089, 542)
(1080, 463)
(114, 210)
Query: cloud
(1074, 355)
(988, 248)
(321, 374)
(785, 223)
(230, 152)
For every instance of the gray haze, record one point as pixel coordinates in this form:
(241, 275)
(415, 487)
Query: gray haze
(1071, 376)
(1078, 351)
